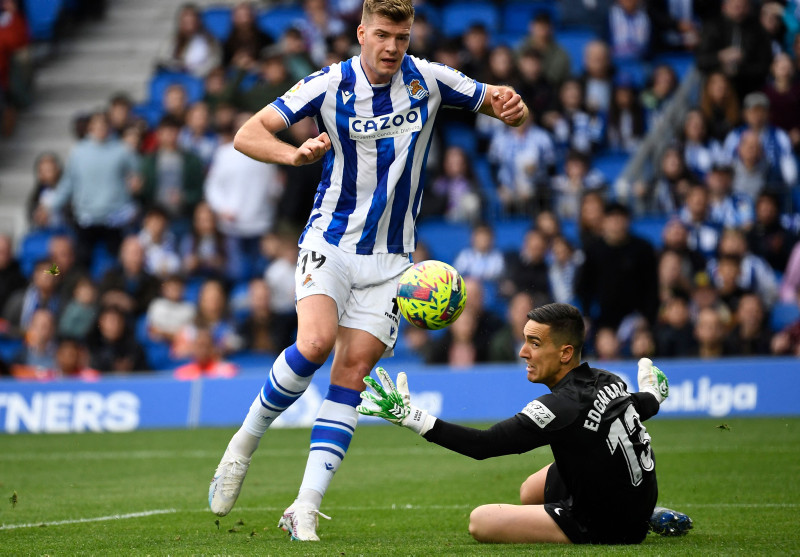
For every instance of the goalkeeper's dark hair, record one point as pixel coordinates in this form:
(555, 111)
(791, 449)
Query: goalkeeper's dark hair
(566, 324)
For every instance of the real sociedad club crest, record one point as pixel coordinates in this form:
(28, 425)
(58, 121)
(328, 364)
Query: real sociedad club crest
(416, 90)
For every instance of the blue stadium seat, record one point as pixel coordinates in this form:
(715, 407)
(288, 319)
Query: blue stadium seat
(191, 291)
(276, 21)
(518, 14)
(783, 315)
(610, 164)
(218, 21)
(634, 72)
(649, 228)
(149, 112)
(457, 18)
(158, 356)
(574, 41)
(194, 86)
(493, 208)
(102, 262)
(508, 235)
(444, 239)
(431, 13)
(32, 249)
(460, 135)
(9, 347)
(42, 16)
(678, 61)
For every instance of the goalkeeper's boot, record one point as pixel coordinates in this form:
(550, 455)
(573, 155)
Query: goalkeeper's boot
(670, 523)
(227, 482)
(301, 520)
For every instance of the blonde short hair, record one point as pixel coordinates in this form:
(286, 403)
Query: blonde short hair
(395, 10)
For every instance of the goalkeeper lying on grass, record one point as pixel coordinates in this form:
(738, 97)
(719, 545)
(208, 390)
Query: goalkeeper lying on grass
(602, 486)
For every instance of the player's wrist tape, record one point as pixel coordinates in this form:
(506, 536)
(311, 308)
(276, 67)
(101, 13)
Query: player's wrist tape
(418, 420)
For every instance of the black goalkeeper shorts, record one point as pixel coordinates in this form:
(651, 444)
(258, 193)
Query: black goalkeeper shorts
(559, 505)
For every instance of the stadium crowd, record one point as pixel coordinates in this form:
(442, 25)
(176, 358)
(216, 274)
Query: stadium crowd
(157, 246)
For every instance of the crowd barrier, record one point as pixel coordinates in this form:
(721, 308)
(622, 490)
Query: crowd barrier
(719, 388)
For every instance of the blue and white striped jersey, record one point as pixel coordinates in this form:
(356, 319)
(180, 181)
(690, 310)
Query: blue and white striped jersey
(372, 179)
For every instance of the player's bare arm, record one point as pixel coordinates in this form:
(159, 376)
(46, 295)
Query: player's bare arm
(256, 139)
(505, 104)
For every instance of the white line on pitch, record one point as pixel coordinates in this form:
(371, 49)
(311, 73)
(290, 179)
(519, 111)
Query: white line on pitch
(83, 520)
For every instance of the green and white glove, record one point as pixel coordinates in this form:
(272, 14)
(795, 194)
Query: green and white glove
(393, 403)
(652, 380)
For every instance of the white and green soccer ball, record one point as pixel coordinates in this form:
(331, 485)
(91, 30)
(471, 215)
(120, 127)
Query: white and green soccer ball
(431, 295)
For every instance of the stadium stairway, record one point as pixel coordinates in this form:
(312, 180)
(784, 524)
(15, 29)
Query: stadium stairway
(96, 60)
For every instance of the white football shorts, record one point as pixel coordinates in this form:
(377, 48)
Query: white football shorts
(363, 286)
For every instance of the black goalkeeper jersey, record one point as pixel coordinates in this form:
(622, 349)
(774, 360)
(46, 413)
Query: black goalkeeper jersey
(594, 428)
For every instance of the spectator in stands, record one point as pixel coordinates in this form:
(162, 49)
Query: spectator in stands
(205, 360)
(790, 283)
(506, 343)
(590, 221)
(169, 313)
(425, 38)
(783, 92)
(674, 331)
(454, 193)
(48, 170)
(192, 48)
(700, 151)
(674, 274)
(535, 90)
(656, 97)
(38, 350)
(100, 178)
(619, 275)
(273, 80)
(629, 30)
(297, 200)
(768, 238)
(80, 311)
(173, 178)
(281, 248)
(669, 189)
(626, 117)
(771, 18)
(196, 136)
(548, 224)
(736, 45)
(212, 313)
(751, 173)
(695, 214)
(128, 285)
(562, 270)
(259, 331)
(159, 244)
(120, 114)
(572, 127)
(675, 23)
(569, 188)
(728, 209)
(461, 345)
(598, 77)
(710, 332)
(41, 293)
(705, 295)
(525, 158)
(720, 105)
(607, 345)
(11, 278)
(14, 35)
(206, 252)
(475, 53)
(320, 24)
(527, 271)
(643, 345)
(541, 38)
(61, 253)
(245, 36)
(112, 347)
(724, 276)
(481, 259)
(501, 66)
(296, 54)
(775, 143)
(243, 193)
(675, 238)
(592, 14)
(750, 335)
(72, 361)
(217, 91)
(755, 274)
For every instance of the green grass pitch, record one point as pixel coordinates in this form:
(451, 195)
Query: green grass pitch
(145, 493)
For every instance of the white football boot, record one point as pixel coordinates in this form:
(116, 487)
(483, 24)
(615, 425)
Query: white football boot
(227, 483)
(301, 520)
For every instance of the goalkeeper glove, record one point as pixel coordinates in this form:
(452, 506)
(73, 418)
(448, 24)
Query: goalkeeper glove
(652, 380)
(393, 403)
